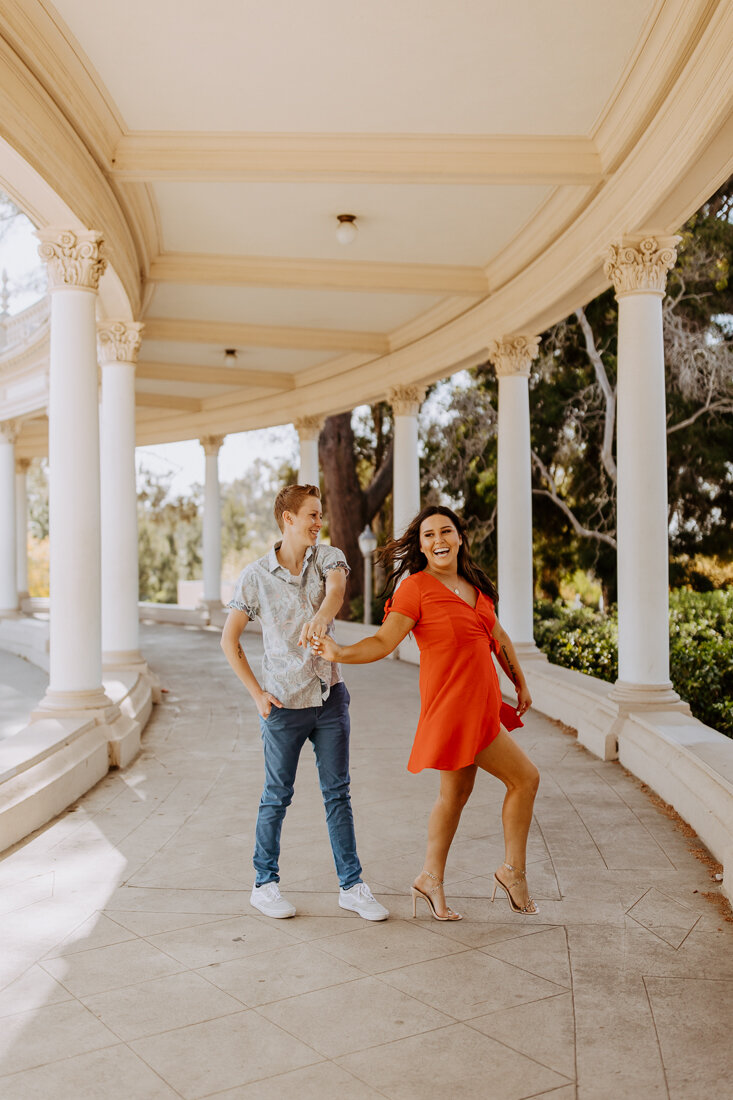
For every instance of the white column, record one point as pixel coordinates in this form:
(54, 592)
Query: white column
(308, 429)
(512, 358)
(8, 538)
(405, 402)
(75, 265)
(638, 269)
(21, 524)
(118, 343)
(212, 522)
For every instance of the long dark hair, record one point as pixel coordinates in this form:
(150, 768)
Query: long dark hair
(403, 555)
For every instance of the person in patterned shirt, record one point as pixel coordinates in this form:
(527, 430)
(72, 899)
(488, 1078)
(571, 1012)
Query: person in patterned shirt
(295, 591)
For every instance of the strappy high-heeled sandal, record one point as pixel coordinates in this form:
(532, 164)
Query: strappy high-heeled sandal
(524, 909)
(425, 895)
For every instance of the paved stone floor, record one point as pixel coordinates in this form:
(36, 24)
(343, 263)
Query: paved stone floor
(21, 686)
(133, 968)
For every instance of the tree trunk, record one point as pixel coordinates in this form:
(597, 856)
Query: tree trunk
(348, 507)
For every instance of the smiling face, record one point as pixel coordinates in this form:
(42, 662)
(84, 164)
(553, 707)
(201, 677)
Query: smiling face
(440, 542)
(304, 525)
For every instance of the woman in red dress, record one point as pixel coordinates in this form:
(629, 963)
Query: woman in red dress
(448, 603)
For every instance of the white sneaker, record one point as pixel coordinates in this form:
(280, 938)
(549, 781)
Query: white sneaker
(359, 899)
(270, 901)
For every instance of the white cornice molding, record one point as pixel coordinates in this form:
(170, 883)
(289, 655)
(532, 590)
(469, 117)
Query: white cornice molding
(213, 270)
(167, 401)
(215, 376)
(377, 158)
(40, 132)
(233, 334)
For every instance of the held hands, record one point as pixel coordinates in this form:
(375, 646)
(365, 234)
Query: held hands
(325, 647)
(313, 630)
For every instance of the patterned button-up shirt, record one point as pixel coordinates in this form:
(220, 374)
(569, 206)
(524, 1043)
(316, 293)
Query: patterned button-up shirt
(283, 603)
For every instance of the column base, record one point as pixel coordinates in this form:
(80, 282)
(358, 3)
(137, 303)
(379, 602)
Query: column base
(628, 697)
(122, 731)
(96, 703)
(131, 660)
(529, 651)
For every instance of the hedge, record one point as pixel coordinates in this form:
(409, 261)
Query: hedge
(700, 647)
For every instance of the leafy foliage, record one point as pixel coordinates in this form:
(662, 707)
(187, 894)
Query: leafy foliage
(701, 647)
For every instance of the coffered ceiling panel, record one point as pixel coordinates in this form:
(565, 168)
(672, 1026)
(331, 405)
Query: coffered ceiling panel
(445, 66)
(425, 223)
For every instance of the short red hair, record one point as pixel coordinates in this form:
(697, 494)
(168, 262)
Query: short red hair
(290, 499)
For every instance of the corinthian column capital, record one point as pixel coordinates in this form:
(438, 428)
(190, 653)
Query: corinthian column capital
(640, 264)
(9, 431)
(119, 341)
(308, 427)
(513, 354)
(74, 260)
(406, 400)
(211, 443)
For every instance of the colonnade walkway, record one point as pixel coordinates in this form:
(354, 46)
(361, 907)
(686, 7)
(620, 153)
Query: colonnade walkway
(132, 965)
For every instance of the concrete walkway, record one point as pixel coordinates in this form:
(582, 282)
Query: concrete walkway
(133, 967)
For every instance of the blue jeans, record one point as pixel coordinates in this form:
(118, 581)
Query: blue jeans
(284, 732)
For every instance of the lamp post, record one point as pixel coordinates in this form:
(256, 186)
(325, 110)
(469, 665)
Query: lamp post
(367, 545)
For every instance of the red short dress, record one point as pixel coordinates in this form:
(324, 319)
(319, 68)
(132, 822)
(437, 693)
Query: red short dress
(459, 687)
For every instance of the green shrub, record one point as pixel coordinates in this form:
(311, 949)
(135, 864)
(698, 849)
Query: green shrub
(700, 647)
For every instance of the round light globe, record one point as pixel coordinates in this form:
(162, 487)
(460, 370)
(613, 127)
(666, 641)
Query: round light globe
(346, 230)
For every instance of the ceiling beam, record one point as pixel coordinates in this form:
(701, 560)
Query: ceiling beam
(167, 401)
(236, 335)
(214, 376)
(210, 270)
(377, 158)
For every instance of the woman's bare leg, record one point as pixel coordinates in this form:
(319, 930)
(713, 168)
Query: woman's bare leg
(504, 759)
(455, 788)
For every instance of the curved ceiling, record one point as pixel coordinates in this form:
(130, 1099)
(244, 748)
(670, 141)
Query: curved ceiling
(489, 151)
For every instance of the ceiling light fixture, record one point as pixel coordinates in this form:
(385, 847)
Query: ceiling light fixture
(230, 356)
(346, 229)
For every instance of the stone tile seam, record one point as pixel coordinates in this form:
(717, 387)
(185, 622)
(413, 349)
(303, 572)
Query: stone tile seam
(580, 818)
(523, 1054)
(635, 815)
(661, 938)
(656, 1033)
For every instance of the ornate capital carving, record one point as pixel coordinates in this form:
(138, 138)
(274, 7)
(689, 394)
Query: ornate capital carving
(308, 427)
(513, 354)
(119, 341)
(9, 431)
(22, 465)
(639, 265)
(211, 443)
(73, 259)
(406, 400)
